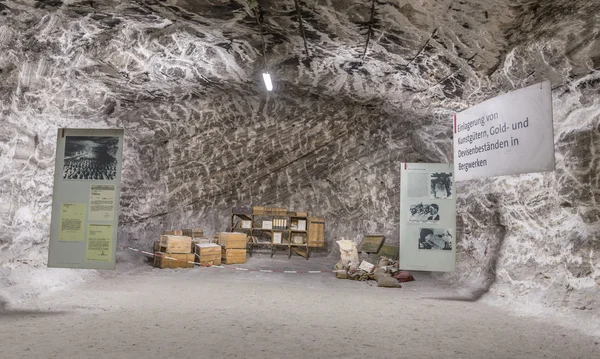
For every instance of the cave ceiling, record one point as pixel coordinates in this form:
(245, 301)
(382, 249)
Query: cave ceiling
(410, 54)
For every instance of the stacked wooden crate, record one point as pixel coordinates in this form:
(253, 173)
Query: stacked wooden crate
(208, 254)
(233, 246)
(173, 252)
(197, 236)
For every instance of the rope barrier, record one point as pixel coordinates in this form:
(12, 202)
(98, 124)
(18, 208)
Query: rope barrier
(164, 255)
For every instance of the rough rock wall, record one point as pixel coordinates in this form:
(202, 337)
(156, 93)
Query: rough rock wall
(332, 159)
(535, 237)
(183, 78)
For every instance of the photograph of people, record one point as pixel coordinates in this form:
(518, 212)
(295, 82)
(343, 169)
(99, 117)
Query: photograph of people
(424, 213)
(433, 213)
(441, 185)
(90, 158)
(435, 238)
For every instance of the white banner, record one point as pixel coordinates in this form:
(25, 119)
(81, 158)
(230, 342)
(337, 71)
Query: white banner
(509, 134)
(85, 201)
(427, 217)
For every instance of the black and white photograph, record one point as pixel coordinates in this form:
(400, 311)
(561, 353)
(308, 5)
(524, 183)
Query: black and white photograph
(421, 212)
(435, 238)
(90, 158)
(440, 185)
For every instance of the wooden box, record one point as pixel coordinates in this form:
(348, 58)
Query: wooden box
(297, 214)
(194, 232)
(234, 256)
(234, 240)
(316, 232)
(173, 260)
(175, 244)
(298, 238)
(276, 211)
(270, 211)
(208, 254)
(173, 232)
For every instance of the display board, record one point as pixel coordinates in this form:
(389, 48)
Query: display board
(85, 202)
(427, 217)
(509, 134)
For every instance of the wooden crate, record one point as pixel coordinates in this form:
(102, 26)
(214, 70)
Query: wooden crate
(173, 232)
(193, 232)
(297, 214)
(269, 211)
(298, 238)
(229, 240)
(316, 232)
(175, 244)
(208, 254)
(173, 260)
(234, 256)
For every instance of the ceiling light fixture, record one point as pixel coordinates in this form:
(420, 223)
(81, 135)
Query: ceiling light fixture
(266, 75)
(268, 82)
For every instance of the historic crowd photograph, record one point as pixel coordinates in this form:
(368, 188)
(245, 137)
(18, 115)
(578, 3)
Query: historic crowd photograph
(90, 158)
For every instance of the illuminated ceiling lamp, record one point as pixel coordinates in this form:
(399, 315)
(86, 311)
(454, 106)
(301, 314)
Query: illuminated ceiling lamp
(268, 83)
(266, 75)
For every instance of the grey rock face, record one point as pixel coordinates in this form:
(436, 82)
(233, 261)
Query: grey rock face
(184, 79)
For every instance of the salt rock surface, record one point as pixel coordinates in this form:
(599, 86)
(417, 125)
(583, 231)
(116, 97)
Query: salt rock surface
(184, 80)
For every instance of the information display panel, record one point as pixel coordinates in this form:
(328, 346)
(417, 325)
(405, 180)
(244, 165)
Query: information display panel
(427, 217)
(85, 202)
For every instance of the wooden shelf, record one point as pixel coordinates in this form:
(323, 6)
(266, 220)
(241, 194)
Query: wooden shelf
(245, 216)
(314, 232)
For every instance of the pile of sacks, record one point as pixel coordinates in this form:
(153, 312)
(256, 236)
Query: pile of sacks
(386, 272)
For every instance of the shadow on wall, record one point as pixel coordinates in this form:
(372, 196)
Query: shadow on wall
(494, 232)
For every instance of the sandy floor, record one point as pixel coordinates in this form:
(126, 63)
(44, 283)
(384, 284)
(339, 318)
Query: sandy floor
(219, 313)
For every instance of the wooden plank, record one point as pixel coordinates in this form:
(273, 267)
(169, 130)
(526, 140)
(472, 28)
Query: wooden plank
(300, 252)
(316, 232)
(371, 243)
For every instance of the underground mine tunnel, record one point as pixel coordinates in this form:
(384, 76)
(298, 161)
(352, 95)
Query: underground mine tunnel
(294, 179)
